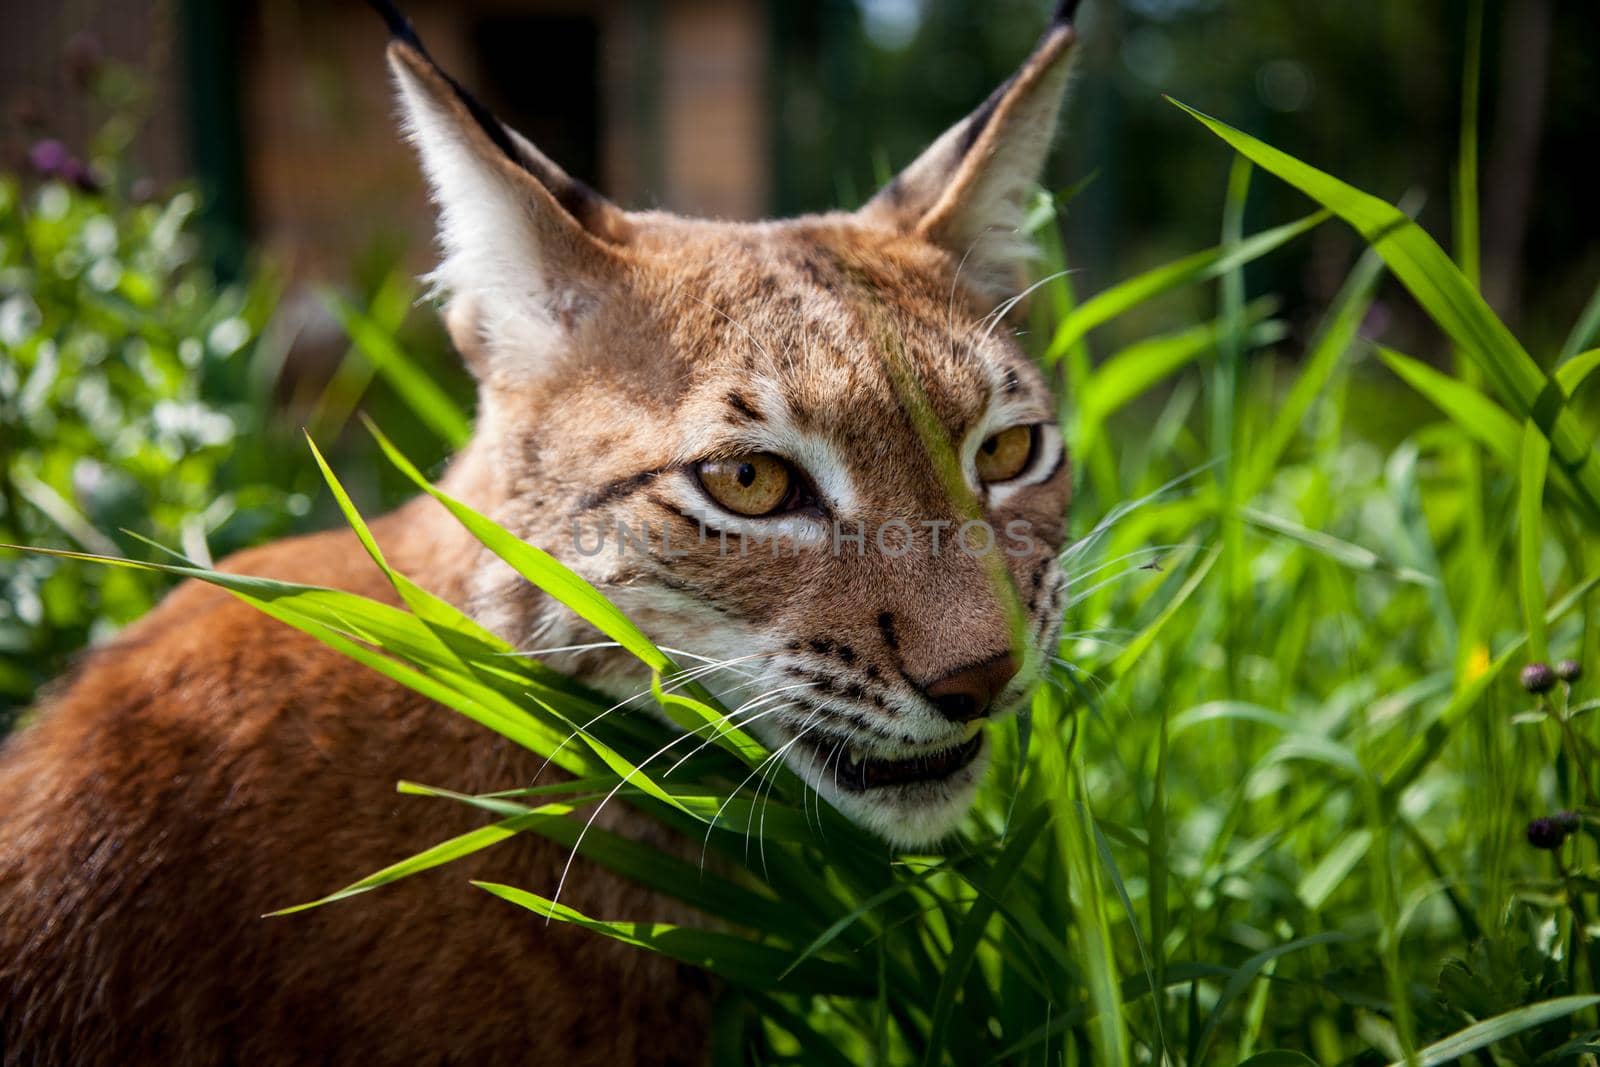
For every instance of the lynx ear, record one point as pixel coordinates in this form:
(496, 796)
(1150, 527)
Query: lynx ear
(524, 244)
(968, 191)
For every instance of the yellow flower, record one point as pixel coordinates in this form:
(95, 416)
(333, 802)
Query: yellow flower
(1478, 663)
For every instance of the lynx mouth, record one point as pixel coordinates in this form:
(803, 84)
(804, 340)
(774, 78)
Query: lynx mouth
(859, 773)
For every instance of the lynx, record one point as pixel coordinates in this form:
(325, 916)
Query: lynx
(780, 381)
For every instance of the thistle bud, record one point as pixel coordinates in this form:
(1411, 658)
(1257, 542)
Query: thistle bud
(1546, 833)
(1538, 678)
(1568, 821)
(1569, 670)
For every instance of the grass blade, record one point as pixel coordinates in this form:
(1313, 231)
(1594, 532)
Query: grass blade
(1199, 267)
(970, 932)
(1469, 409)
(445, 852)
(1465, 200)
(1530, 538)
(1483, 1034)
(733, 958)
(421, 393)
(538, 566)
(1245, 974)
(1575, 371)
(1449, 298)
(1584, 331)
(1333, 340)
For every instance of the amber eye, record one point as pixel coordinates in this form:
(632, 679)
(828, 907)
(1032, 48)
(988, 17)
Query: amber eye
(753, 485)
(1005, 455)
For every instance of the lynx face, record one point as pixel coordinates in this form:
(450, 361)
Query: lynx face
(808, 451)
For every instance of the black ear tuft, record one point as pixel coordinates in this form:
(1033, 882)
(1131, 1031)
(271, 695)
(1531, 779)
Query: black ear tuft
(587, 207)
(400, 27)
(1064, 13)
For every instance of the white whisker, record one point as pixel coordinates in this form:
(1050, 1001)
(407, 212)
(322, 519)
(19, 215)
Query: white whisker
(995, 317)
(1122, 510)
(670, 685)
(636, 769)
(1134, 554)
(559, 649)
(746, 706)
(764, 350)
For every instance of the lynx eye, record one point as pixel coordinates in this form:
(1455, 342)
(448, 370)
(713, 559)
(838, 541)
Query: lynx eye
(1004, 455)
(754, 485)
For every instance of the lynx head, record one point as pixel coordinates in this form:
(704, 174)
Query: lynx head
(809, 448)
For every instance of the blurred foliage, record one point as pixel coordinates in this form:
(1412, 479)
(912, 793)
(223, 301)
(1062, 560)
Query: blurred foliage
(143, 398)
(128, 382)
(143, 401)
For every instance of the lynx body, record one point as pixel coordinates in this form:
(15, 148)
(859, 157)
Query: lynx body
(211, 765)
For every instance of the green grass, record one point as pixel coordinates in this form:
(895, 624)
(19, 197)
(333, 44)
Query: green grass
(1271, 807)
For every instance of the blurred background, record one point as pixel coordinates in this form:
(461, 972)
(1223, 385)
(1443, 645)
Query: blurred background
(263, 223)
(280, 111)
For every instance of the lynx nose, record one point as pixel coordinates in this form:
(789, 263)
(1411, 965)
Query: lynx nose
(967, 693)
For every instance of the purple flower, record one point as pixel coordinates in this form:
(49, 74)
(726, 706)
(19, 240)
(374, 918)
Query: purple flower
(1538, 678)
(1569, 670)
(49, 157)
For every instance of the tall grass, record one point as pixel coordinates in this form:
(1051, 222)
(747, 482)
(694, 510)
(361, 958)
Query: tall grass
(1272, 805)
